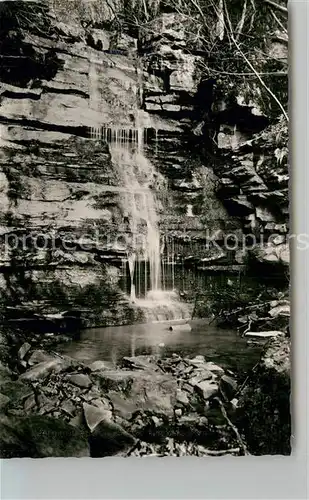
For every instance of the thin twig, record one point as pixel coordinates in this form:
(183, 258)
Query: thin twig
(242, 21)
(274, 73)
(253, 69)
(246, 380)
(232, 426)
(278, 21)
(276, 6)
(253, 15)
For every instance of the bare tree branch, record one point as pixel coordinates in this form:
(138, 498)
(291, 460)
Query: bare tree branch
(278, 21)
(253, 69)
(277, 6)
(242, 21)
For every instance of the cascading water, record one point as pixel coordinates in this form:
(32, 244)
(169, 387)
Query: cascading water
(137, 175)
(139, 181)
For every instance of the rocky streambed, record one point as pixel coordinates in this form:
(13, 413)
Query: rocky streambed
(53, 405)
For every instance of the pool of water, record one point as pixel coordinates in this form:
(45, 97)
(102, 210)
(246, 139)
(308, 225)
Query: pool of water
(221, 346)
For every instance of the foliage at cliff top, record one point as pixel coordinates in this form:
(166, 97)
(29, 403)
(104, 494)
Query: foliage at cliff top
(276, 134)
(243, 42)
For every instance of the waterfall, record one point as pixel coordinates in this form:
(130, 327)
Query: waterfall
(189, 211)
(131, 261)
(138, 181)
(137, 174)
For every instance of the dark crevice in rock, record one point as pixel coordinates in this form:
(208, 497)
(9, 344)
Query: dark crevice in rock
(79, 131)
(65, 91)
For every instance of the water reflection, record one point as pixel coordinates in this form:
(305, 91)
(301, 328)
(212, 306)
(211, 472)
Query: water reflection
(223, 346)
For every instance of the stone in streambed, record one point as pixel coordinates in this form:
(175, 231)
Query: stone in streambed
(280, 310)
(228, 387)
(206, 389)
(182, 397)
(213, 368)
(108, 438)
(199, 377)
(123, 407)
(23, 350)
(39, 356)
(4, 400)
(197, 362)
(94, 415)
(99, 365)
(5, 372)
(30, 403)
(16, 391)
(80, 380)
(114, 380)
(38, 436)
(41, 371)
(78, 420)
(187, 370)
(188, 388)
(68, 408)
(137, 362)
(157, 421)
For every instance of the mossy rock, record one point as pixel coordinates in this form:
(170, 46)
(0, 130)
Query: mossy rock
(39, 436)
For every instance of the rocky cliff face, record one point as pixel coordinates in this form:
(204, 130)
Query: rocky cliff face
(67, 80)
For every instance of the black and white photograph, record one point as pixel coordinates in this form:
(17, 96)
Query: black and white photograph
(144, 229)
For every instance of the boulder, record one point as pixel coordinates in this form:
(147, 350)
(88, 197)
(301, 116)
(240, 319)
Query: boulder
(114, 380)
(23, 350)
(38, 436)
(200, 377)
(99, 365)
(122, 406)
(280, 310)
(94, 415)
(5, 372)
(41, 371)
(197, 361)
(39, 356)
(206, 389)
(16, 391)
(109, 438)
(213, 368)
(228, 387)
(30, 403)
(4, 400)
(137, 362)
(68, 408)
(80, 380)
(182, 397)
